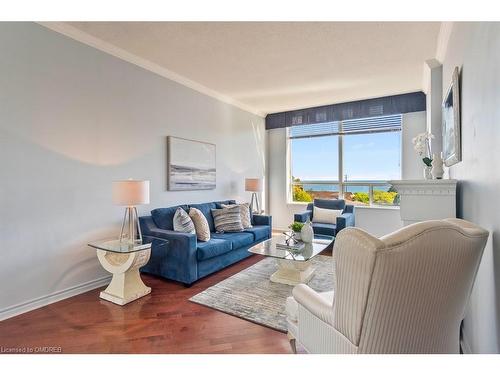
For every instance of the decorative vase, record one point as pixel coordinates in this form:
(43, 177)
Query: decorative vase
(307, 233)
(296, 236)
(427, 172)
(437, 166)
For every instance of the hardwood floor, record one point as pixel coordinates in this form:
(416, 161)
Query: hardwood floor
(162, 322)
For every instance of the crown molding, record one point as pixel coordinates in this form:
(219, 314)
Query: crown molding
(443, 39)
(441, 47)
(85, 38)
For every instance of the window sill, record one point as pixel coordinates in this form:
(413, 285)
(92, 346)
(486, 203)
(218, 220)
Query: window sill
(373, 207)
(297, 203)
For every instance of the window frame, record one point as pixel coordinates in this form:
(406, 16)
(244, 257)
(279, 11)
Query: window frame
(340, 182)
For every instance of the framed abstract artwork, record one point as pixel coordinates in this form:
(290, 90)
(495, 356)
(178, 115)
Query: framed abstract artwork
(451, 122)
(191, 165)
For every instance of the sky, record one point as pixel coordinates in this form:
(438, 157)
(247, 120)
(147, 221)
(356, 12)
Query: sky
(374, 156)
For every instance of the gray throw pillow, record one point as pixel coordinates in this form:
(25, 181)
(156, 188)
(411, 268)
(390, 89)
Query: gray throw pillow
(182, 222)
(227, 219)
(246, 218)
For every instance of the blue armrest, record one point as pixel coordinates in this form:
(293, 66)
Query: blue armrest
(348, 209)
(346, 219)
(262, 220)
(302, 217)
(178, 261)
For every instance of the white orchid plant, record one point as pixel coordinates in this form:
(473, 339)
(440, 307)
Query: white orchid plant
(422, 145)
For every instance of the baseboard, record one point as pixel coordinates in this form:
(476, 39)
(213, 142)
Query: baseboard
(36, 303)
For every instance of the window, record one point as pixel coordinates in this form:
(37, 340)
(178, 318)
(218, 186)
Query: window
(309, 170)
(352, 159)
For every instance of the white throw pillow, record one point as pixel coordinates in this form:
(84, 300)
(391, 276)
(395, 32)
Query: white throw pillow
(200, 224)
(325, 215)
(182, 222)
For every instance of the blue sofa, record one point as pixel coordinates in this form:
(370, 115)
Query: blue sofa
(186, 259)
(343, 221)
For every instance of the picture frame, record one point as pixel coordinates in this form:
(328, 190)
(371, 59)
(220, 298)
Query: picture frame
(451, 126)
(191, 165)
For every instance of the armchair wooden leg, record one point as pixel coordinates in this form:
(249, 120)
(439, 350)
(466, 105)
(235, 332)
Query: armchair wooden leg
(293, 342)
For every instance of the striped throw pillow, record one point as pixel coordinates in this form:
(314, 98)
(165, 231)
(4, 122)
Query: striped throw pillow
(246, 219)
(182, 222)
(227, 219)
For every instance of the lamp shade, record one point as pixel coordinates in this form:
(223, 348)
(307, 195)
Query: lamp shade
(253, 184)
(130, 192)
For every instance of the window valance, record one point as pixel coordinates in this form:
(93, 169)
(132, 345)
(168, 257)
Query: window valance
(361, 109)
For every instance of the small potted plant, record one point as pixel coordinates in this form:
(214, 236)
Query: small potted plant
(422, 145)
(296, 227)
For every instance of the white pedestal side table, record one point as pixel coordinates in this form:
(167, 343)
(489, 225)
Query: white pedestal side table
(293, 267)
(123, 260)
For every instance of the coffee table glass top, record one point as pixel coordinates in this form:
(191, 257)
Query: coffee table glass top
(124, 247)
(268, 248)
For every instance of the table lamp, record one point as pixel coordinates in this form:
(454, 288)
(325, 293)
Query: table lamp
(130, 193)
(254, 185)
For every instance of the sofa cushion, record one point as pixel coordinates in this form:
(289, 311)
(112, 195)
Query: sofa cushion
(164, 217)
(205, 209)
(326, 229)
(237, 240)
(219, 204)
(259, 232)
(212, 248)
(331, 204)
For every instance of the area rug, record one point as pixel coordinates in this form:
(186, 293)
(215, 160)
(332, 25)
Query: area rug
(252, 296)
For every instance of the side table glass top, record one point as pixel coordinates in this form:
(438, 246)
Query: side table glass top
(124, 247)
(268, 248)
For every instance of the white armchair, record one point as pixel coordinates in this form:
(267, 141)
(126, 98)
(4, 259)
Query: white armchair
(403, 293)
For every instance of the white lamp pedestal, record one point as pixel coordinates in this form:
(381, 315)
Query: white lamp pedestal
(126, 285)
(422, 200)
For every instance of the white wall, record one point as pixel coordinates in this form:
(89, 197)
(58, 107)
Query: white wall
(434, 73)
(475, 47)
(378, 221)
(411, 164)
(277, 180)
(72, 120)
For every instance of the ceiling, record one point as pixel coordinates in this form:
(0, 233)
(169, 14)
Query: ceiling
(269, 67)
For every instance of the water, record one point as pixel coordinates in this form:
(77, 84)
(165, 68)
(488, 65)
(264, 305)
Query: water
(351, 189)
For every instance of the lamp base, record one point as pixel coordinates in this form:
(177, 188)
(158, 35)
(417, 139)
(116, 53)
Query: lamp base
(254, 197)
(131, 230)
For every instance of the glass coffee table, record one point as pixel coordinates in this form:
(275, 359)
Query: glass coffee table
(123, 260)
(294, 267)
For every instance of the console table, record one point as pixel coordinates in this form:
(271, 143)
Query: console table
(426, 199)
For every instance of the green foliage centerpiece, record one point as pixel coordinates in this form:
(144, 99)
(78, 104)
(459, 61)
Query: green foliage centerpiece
(296, 227)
